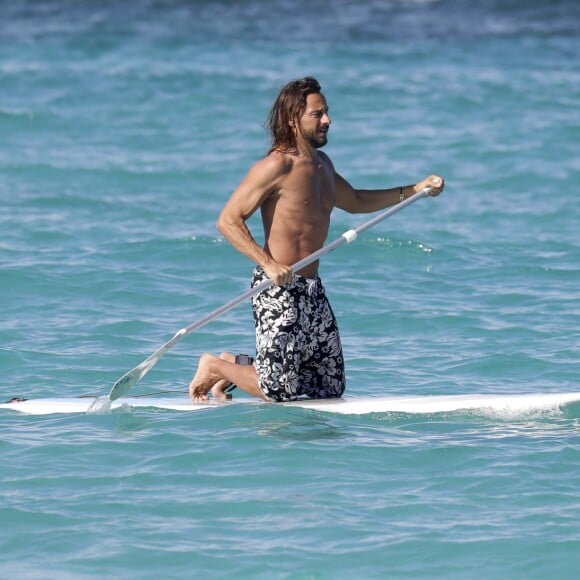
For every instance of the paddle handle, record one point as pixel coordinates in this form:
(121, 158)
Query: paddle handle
(132, 377)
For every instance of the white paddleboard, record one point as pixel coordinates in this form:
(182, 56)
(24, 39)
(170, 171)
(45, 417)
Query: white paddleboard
(505, 404)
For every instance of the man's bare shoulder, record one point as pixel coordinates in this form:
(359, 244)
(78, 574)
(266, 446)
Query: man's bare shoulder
(270, 169)
(277, 162)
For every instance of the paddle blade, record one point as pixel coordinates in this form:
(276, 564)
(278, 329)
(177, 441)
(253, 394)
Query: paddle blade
(124, 384)
(131, 378)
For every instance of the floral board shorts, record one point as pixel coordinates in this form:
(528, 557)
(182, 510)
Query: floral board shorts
(298, 348)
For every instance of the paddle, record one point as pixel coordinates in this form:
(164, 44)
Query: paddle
(131, 378)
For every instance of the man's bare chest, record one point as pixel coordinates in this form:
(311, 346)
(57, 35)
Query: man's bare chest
(310, 186)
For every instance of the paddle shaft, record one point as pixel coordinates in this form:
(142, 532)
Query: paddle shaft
(132, 377)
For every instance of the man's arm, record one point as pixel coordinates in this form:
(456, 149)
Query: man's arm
(257, 186)
(368, 200)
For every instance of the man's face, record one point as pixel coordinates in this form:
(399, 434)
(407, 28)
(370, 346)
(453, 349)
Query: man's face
(314, 123)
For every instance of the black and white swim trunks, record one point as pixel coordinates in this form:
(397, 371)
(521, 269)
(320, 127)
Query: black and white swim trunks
(298, 348)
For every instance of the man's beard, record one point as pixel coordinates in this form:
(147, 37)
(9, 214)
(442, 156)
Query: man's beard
(316, 139)
(320, 142)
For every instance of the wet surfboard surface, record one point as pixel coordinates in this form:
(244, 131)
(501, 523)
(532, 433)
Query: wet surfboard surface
(352, 405)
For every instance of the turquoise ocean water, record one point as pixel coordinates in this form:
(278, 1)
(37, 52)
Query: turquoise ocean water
(124, 127)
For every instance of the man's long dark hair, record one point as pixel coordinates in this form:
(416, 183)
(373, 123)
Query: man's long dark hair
(287, 108)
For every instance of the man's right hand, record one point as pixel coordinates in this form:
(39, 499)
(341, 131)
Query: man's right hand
(278, 273)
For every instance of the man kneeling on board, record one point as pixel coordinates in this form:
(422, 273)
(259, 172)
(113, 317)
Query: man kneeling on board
(295, 186)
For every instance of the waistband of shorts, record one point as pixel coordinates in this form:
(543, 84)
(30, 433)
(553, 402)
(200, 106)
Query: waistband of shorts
(297, 280)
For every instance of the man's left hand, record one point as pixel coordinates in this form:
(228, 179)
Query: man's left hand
(435, 182)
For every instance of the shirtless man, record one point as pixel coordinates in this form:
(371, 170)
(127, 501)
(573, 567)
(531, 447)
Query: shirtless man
(298, 350)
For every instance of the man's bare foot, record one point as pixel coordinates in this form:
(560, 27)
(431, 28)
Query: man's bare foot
(215, 374)
(204, 379)
(219, 394)
(218, 390)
